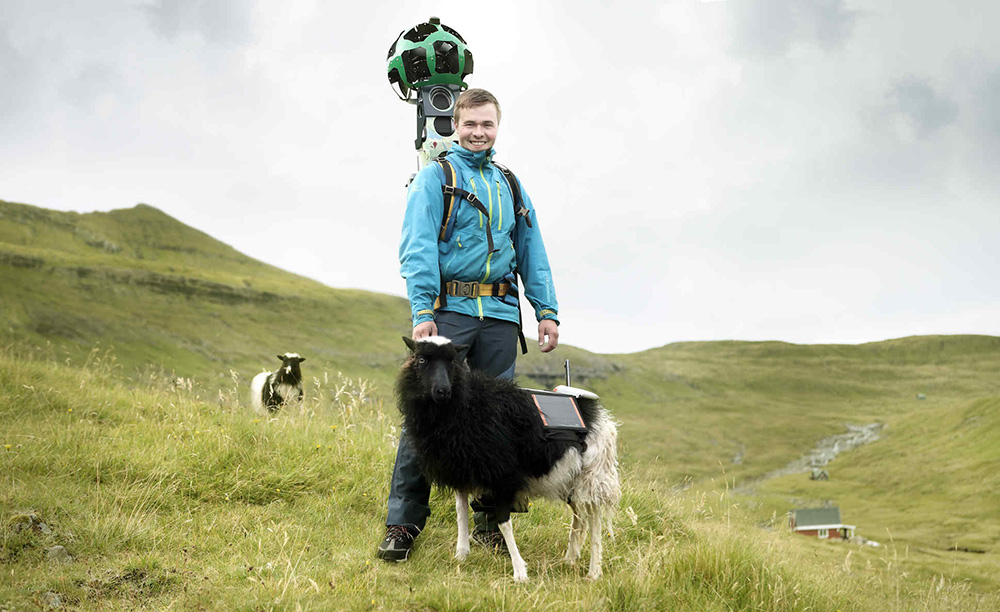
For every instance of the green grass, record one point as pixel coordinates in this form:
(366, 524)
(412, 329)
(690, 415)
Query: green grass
(930, 485)
(167, 497)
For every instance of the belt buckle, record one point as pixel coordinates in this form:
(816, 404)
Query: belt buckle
(469, 290)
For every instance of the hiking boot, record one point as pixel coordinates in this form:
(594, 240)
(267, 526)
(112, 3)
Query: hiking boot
(396, 545)
(492, 540)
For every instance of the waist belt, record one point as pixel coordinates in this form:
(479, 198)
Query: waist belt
(460, 289)
(471, 290)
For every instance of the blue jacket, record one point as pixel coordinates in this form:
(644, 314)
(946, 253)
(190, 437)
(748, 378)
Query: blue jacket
(425, 261)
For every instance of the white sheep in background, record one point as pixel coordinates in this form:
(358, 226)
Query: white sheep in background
(269, 391)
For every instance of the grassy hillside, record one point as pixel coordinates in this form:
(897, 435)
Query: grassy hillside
(704, 426)
(165, 294)
(767, 402)
(162, 498)
(708, 413)
(931, 487)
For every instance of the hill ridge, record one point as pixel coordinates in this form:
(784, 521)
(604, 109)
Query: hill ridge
(76, 279)
(139, 232)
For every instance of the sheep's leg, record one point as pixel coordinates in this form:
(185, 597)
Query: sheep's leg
(462, 510)
(520, 569)
(575, 536)
(596, 513)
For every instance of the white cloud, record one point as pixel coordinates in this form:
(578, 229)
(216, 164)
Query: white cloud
(219, 22)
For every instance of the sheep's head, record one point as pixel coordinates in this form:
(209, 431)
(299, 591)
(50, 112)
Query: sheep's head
(290, 365)
(436, 363)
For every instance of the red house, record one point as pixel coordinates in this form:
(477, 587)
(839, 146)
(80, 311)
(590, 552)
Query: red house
(822, 523)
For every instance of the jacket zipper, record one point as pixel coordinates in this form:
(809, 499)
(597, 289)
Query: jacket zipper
(500, 207)
(489, 256)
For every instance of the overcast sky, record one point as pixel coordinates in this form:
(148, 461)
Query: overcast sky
(819, 171)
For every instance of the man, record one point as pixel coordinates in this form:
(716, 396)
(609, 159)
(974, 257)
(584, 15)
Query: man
(485, 318)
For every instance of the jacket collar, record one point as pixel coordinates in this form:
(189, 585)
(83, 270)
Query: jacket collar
(473, 158)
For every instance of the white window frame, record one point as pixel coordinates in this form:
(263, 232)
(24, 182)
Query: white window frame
(824, 534)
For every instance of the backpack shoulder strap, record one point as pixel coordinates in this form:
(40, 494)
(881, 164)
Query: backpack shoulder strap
(515, 188)
(453, 194)
(448, 190)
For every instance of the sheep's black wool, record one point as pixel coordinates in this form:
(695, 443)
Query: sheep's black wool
(485, 434)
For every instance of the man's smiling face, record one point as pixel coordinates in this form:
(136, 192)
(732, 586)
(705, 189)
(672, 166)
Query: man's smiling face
(477, 127)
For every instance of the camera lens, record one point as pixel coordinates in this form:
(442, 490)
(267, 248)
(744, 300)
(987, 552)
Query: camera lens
(443, 126)
(441, 98)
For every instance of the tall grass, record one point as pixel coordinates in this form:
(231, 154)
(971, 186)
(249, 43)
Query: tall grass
(171, 495)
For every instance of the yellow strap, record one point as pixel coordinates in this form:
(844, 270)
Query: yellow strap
(481, 289)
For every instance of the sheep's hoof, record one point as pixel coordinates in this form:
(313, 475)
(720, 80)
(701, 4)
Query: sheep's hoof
(594, 575)
(461, 553)
(520, 577)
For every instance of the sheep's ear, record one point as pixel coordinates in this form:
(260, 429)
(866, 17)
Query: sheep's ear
(281, 357)
(301, 359)
(461, 349)
(410, 343)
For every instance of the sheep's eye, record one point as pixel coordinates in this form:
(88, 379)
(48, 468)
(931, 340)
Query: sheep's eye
(421, 360)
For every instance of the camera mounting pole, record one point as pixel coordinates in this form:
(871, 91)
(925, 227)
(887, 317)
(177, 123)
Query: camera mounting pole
(426, 66)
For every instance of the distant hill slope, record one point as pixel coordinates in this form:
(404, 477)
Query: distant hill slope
(161, 292)
(164, 293)
(748, 408)
(737, 412)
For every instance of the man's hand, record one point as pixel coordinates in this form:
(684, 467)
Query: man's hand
(425, 329)
(548, 335)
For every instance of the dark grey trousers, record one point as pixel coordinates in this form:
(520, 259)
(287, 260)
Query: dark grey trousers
(492, 349)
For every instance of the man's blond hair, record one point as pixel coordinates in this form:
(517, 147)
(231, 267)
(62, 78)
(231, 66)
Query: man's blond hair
(472, 98)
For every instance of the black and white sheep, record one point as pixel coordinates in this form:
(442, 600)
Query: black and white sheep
(269, 391)
(476, 434)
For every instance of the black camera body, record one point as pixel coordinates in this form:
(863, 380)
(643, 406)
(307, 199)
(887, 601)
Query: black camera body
(435, 110)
